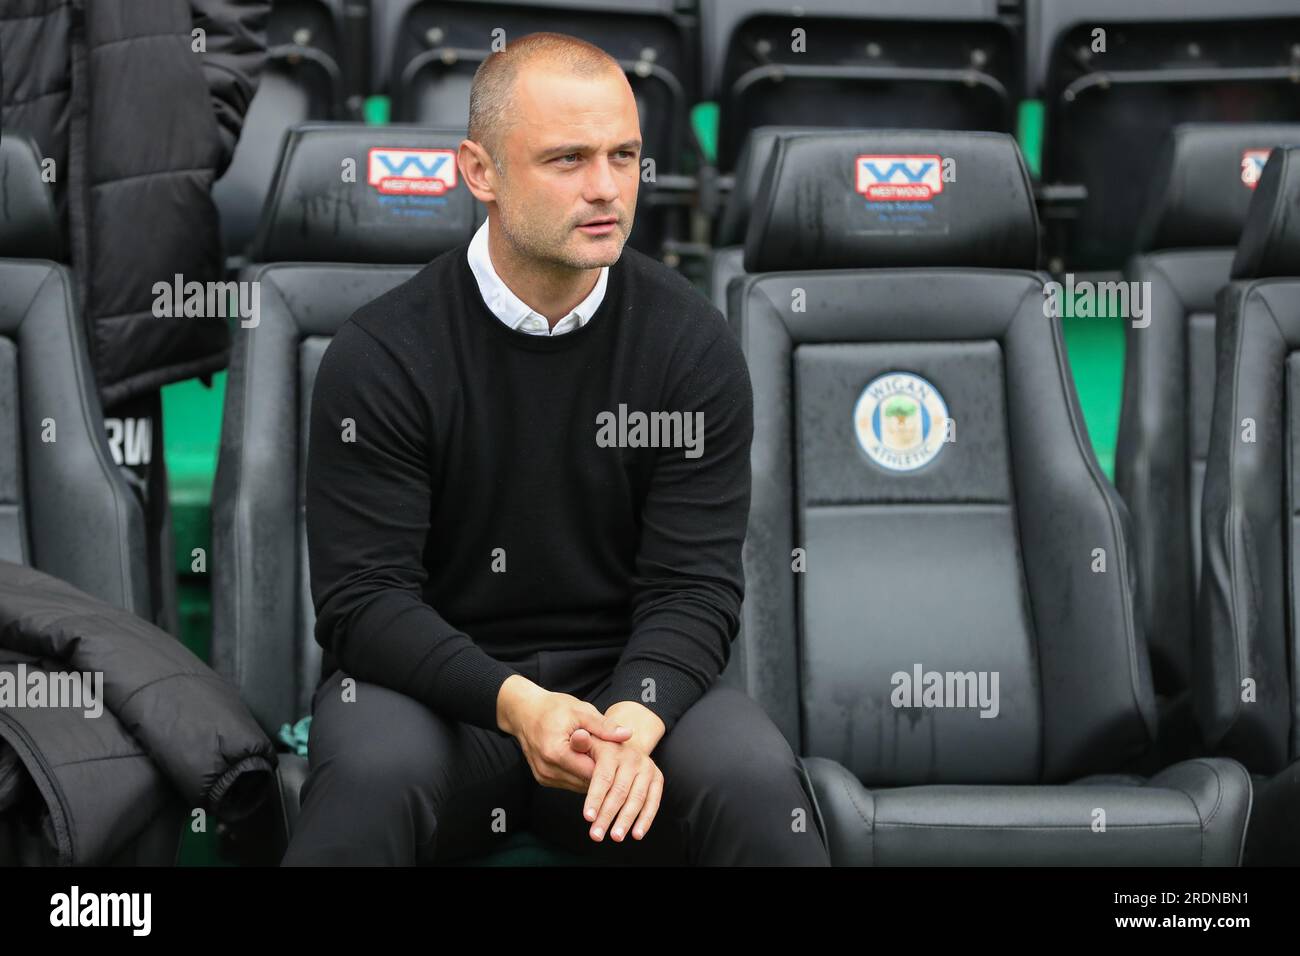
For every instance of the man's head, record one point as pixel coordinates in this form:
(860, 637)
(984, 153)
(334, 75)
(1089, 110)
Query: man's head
(554, 144)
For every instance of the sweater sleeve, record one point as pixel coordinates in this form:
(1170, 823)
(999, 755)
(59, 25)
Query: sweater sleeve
(368, 505)
(689, 580)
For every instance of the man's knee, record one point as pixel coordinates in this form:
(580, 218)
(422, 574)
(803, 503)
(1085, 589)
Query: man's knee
(726, 748)
(382, 768)
(370, 751)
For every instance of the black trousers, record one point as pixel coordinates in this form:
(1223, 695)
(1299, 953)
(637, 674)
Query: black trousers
(392, 782)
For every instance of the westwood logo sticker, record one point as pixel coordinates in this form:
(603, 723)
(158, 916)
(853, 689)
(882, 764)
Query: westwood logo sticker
(411, 172)
(1252, 166)
(901, 421)
(899, 178)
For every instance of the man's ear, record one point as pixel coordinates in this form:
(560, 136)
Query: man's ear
(478, 170)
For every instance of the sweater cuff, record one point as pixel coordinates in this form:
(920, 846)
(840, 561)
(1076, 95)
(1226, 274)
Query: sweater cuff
(467, 687)
(674, 690)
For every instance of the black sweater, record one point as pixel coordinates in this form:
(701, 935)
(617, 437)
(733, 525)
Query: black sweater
(478, 513)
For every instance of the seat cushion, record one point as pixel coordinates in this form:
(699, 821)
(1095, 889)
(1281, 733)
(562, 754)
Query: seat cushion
(1192, 814)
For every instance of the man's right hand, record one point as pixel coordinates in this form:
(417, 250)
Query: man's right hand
(543, 722)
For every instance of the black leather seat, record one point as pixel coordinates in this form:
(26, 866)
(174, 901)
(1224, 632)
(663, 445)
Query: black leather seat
(303, 80)
(950, 64)
(64, 508)
(1107, 113)
(1005, 555)
(1188, 237)
(1246, 666)
(325, 248)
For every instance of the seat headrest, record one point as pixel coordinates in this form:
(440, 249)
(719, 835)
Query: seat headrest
(29, 226)
(888, 198)
(754, 154)
(1207, 174)
(348, 192)
(1270, 243)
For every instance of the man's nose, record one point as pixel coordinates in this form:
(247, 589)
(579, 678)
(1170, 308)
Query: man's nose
(602, 185)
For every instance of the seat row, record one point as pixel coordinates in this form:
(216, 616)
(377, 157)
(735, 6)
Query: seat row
(944, 595)
(1100, 84)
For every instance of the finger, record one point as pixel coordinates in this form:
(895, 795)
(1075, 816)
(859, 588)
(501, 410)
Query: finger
(566, 781)
(580, 741)
(580, 765)
(642, 826)
(606, 728)
(601, 780)
(615, 798)
(563, 768)
(549, 774)
(632, 806)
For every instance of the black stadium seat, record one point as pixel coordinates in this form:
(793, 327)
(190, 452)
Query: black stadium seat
(1189, 234)
(1164, 63)
(1247, 668)
(943, 64)
(325, 248)
(430, 51)
(893, 574)
(303, 80)
(64, 508)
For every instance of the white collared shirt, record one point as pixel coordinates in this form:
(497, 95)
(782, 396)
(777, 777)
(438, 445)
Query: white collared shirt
(512, 310)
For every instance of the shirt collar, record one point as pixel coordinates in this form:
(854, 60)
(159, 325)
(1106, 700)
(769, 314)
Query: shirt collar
(512, 310)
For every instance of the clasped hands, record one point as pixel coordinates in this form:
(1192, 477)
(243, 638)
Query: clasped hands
(571, 745)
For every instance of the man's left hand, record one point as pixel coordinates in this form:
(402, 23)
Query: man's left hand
(605, 796)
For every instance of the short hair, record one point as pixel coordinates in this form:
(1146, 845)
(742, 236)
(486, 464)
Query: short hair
(492, 92)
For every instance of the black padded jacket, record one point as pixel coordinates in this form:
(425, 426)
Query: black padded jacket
(139, 104)
(83, 775)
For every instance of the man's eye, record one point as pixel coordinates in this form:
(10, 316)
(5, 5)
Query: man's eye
(568, 156)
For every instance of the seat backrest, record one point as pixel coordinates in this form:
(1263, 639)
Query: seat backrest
(64, 507)
(1247, 657)
(303, 79)
(944, 64)
(30, 224)
(725, 263)
(311, 34)
(1189, 235)
(926, 505)
(1116, 75)
(329, 243)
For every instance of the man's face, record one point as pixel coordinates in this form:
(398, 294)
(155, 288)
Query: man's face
(572, 153)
